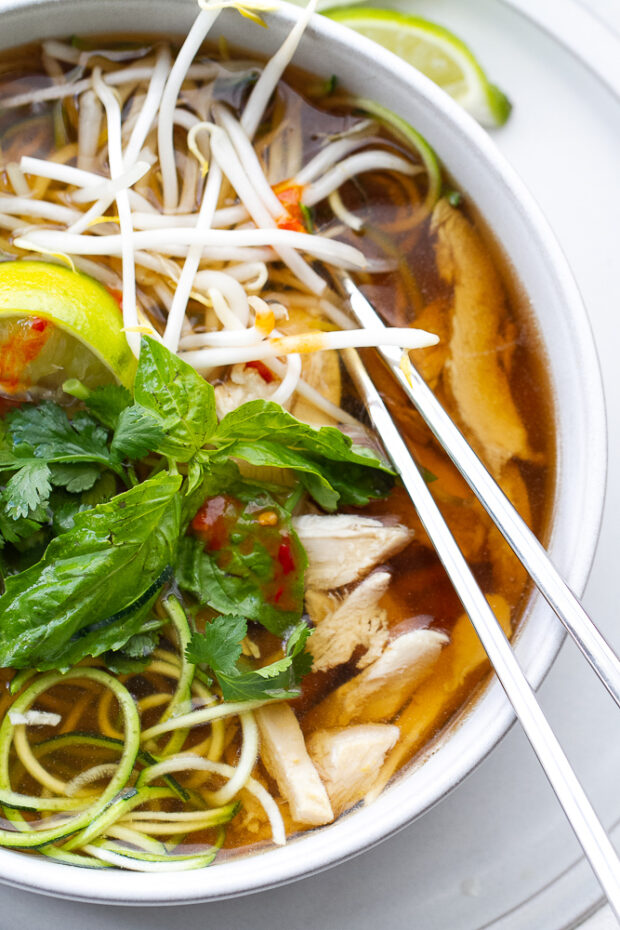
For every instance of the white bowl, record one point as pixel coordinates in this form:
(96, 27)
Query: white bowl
(517, 223)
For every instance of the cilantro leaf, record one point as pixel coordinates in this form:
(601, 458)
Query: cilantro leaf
(15, 530)
(27, 489)
(218, 647)
(178, 397)
(74, 476)
(90, 590)
(48, 430)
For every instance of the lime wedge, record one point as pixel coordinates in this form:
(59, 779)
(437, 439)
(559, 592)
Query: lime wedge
(57, 324)
(434, 51)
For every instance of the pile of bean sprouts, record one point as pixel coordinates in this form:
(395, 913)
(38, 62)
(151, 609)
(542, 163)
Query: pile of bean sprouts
(123, 200)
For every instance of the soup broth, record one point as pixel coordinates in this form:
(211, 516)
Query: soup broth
(433, 267)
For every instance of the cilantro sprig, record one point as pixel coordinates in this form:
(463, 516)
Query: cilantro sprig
(219, 648)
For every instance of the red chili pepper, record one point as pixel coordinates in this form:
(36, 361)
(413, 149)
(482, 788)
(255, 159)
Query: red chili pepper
(213, 521)
(290, 196)
(262, 369)
(25, 339)
(285, 556)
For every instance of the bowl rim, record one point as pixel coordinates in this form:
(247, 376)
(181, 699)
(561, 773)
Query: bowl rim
(364, 828)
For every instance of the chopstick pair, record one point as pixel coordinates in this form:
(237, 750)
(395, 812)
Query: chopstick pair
(584, 821)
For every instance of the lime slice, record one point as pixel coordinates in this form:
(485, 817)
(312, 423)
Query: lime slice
(434, 51)
(57, 324)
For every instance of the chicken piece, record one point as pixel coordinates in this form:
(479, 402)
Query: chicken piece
(473, 375)
(343, 625)
(342, 548)
(243, 384)
(434, 318)
(377, 693)
(460, 666)
(509, 575)
(348, 760)
(321, 370)
(284, 755)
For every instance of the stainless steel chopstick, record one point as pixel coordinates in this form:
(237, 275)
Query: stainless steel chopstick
(520, 538)
(588, 829)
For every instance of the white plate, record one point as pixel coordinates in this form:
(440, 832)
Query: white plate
(491, 854)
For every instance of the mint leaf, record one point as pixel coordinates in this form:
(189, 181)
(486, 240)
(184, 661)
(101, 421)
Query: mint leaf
(94, 583)
(180, 399)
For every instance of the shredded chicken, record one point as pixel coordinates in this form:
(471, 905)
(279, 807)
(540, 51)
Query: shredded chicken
(348, 760)
(473, 374)
(459, 666)
(342, 548)
(377, 693)
(284, 755)
(345, 624)
(321, 371)
(243, 384)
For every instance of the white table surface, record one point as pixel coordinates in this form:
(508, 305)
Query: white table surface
(608, 11)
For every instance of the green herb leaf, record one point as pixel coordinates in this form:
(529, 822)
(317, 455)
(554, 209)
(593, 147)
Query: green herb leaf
(75, 476)
(15, 530)
(218, 647)
(27, 489)
(254, 570)
(262, 433)
(90, 590)
(108, 402)
(47, 429)
(180, 399)
(137, 433)
(135, 655)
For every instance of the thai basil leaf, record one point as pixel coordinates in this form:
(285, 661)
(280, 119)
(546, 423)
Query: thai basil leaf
(92, 577)
(137, 433)
(179, 398)
(261, 433)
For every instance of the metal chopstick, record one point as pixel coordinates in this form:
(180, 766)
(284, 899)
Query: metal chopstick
(588, 829)
(520, 538)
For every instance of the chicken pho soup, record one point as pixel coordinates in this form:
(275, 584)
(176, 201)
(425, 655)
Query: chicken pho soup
(221, 622)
